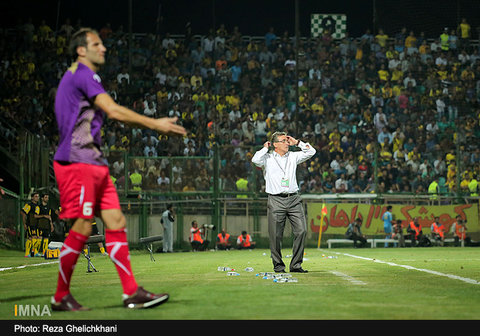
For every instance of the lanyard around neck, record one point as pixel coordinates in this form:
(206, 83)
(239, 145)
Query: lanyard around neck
(284, 170)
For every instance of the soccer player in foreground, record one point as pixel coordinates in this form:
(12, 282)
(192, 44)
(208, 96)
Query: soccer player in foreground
(82, 172)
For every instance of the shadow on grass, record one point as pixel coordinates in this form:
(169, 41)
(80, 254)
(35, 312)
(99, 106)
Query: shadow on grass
(18, 298)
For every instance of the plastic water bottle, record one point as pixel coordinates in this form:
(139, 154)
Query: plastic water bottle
(281, 280)
(282, 276)
(224, 269)
(249, 269)
(232, 273)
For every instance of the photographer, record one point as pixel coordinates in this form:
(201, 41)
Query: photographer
(459, 230)
(197, 237)
(437, 232)
(398, 233)
(354, 233)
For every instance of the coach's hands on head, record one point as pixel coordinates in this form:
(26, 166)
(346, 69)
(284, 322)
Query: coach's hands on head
(292, 141)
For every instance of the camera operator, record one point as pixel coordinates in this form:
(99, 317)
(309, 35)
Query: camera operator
(459, 230)
(197, 237)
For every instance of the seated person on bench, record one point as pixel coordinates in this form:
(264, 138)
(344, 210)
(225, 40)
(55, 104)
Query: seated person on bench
(354, 233)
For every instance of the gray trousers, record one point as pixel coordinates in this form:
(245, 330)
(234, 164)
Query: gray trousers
(168, 237)
(278, 210)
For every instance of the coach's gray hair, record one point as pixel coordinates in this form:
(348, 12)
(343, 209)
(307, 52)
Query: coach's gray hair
(275, 136)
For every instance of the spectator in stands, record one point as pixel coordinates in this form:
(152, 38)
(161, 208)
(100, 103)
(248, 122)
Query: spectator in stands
(410, 104)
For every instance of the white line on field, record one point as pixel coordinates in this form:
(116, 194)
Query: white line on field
(451, 276)
(348, 278)
(24, 266)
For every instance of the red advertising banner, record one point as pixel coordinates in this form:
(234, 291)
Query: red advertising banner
(340, 215)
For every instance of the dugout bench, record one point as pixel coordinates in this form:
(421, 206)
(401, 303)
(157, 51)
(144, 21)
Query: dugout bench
(148, 241)
(374, 242)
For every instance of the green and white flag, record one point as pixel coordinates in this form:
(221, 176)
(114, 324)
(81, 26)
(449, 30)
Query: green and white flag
(335, 23)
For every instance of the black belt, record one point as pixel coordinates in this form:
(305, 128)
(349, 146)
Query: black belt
(286, 195)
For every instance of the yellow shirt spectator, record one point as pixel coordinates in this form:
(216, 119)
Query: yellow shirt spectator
(383, 75)
(382, 38)
(397, 74)
(411, 41)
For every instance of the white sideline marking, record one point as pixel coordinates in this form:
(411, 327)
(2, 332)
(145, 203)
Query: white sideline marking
(24, 266)
(348, 278)
(451, 276)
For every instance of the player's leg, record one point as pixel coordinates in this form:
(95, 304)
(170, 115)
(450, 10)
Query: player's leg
(117, 248)
(28, 243)
(36, 242)
(77, 187)
(71, 249)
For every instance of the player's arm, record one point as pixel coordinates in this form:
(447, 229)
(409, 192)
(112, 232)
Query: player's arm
(36, 213)
(25, 210)
(117, 112)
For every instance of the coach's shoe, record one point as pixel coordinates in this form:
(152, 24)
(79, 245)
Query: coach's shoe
(298, 270)
(68, 303)
(143, 299)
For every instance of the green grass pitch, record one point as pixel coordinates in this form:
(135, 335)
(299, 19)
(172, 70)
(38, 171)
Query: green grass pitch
(353, 284)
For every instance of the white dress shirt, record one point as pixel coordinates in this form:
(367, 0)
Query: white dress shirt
(277, 168)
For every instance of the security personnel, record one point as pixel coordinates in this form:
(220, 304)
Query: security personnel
(444, 37)
(244, 241)
(30, 224)
(43, 215)
(459, 231)
(438, 231)
(433, 189)
(242, 185)
(473, 186)
(223, 242)
(136, 181)
(415, 231)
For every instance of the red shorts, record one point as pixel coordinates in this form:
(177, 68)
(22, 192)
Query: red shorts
(85, 189)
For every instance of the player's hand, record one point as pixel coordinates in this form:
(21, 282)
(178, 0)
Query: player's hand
(266, 144)
(168, 126)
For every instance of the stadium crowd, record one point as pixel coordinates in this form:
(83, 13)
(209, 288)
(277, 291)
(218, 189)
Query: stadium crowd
(406, 103)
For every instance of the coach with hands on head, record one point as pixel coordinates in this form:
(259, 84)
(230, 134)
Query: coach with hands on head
(279, 170)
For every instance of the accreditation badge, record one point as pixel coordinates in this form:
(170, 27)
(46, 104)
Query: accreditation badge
(285, 183)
